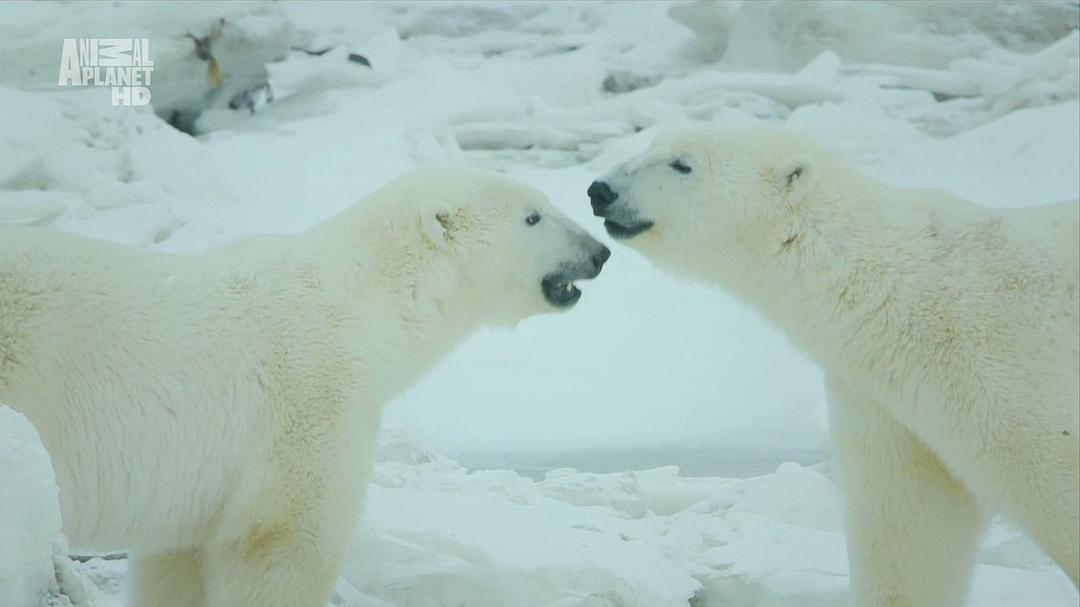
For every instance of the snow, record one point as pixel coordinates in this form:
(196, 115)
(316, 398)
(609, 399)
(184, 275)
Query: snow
(659, 445)
(34, 567)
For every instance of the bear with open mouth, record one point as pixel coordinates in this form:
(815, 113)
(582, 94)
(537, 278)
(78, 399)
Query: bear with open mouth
(217, 414)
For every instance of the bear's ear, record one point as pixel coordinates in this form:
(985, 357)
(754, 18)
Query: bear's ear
(795, 172)
(437, 226)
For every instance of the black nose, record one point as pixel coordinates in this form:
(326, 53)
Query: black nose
(601, 256)
(601, 196)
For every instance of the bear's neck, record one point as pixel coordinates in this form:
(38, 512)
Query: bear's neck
(839, 287)
(405, 310)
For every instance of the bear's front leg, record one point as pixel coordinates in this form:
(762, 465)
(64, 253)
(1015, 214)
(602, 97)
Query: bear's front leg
(912, 528)
(275, 566)
(166, 580)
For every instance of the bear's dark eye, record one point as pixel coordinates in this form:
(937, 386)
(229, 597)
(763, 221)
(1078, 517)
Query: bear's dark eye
(680, 166)
(533, 218)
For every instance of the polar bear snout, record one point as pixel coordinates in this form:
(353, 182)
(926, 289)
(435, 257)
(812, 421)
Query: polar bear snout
(598, 259)
(558, 286)
(601, 196)
(622, 221)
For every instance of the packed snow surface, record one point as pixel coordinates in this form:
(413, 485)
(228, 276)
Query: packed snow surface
(634, 452)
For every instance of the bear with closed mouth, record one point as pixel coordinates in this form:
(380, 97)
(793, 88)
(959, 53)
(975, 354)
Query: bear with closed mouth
(216, 414)
(948, 333)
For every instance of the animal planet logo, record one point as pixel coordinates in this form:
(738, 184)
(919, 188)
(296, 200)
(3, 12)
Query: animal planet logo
(122, 63)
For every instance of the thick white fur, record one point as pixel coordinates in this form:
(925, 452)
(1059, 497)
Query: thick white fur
(217, 414)
(948, 333)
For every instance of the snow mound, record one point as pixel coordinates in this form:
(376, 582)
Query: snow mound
(436, 534)
(76, 162)
(777, 35)
(34, 566)
(240, 38)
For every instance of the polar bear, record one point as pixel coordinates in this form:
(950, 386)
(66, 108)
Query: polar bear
(948, 333)
(216, 414)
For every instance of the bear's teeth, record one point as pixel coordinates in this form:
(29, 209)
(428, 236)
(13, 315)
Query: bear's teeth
(569, 287)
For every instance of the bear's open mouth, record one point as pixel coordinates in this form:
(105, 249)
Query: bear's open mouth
(624, 231)
(558, 286)
(560, 290)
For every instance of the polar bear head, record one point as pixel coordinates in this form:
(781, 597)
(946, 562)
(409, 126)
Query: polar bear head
(710, 200)
(491, 246)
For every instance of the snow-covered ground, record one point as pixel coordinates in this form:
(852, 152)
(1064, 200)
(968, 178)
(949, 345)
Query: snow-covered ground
(647, 374)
